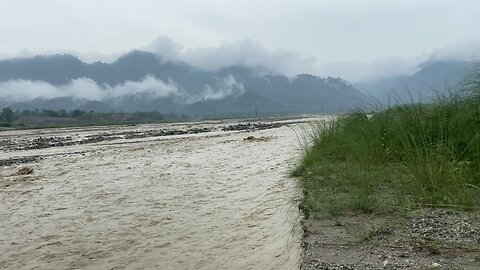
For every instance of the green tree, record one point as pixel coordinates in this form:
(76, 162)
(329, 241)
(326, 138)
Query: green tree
(7, 114)
(76, 113)
(50, 113)
(62, 113)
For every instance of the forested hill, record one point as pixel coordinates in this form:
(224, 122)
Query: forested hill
(142, 81)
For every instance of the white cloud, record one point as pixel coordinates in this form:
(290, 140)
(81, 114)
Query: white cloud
(226, 87)
(362, 71)
(251, 53)
(165, 47)
(85, 88)
(329, 31)
(467, 50)
(243, 52)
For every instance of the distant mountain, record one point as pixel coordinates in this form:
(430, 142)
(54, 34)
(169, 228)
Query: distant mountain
(55, 69)
(142, 81)
(431, 79)
(48, 104)
(95, 106)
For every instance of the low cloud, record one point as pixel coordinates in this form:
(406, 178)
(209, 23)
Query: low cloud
(361, 71)
(466, 50)
(225, 88)
(165, 47)
(241, 52)
(85, 88)
(252, 54)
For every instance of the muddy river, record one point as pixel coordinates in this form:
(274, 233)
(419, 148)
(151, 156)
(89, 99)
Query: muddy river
(218, 198)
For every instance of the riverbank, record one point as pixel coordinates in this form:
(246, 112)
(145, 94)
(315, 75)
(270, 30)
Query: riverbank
(420, 239)
(396, 189)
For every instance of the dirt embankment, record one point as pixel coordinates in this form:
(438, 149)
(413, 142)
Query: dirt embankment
(421, 239)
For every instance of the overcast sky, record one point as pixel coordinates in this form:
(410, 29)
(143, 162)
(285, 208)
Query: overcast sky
(353, 39)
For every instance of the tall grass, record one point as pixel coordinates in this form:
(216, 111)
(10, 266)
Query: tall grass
(405, 156)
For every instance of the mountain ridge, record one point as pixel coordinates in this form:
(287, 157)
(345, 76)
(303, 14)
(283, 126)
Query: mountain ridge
(233, 89)
(432, 78)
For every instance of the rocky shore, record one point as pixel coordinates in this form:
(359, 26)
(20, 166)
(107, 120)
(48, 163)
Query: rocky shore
(40, 142)
(47, 142)
(421, 239)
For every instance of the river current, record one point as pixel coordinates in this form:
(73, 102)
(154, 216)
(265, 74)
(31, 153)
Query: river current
(215, 200)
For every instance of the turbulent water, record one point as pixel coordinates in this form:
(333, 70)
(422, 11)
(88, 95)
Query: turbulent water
(198, 201)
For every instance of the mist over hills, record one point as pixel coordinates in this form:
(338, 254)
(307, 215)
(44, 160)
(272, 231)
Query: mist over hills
(143, 81)
(431, 79)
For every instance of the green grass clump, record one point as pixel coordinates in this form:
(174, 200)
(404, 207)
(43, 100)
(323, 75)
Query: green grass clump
(401, 157)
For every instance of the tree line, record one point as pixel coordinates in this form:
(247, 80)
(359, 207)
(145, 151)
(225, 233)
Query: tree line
(8, 116)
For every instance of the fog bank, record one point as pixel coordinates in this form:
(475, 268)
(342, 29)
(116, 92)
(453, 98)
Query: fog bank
(86, 88)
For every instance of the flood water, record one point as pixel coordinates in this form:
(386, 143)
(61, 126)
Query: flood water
(198, 201)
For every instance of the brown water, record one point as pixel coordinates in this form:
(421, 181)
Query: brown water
(205, 201)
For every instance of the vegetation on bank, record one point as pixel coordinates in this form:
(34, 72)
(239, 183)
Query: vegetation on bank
(397, 159)
(62, 118)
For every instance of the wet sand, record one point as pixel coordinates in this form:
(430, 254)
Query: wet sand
(210, 200)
